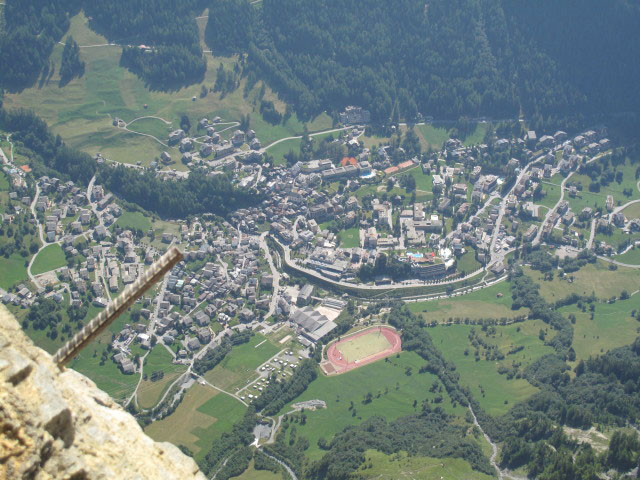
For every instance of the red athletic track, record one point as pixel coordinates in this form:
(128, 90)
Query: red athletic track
(336, 364)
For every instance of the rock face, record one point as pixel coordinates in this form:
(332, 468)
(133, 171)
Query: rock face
(56, 424)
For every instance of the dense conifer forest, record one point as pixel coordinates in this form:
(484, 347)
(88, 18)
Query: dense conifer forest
(444, 58)
(441, 58)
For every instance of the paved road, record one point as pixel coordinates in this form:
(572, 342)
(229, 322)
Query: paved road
(615, 262)
(262, 150)
(274, 272)
(35, 215)
(536, 240)
(373, 288)
(478, 213)
(592, 234)
(494, 451)
(287, 468)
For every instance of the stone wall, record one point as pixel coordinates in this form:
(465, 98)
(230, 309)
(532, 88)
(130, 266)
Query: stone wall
(57, 424)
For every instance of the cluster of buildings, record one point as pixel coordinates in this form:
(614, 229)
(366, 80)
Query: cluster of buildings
(226, 281)
(212, 148)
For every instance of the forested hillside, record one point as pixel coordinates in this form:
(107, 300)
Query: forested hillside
(167, 27)
(30, 31)
(445, 58)
(576, 54)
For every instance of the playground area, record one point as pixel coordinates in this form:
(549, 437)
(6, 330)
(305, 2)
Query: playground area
(361, 348)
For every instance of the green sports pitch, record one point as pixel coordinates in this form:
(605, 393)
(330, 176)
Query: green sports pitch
(363, 346)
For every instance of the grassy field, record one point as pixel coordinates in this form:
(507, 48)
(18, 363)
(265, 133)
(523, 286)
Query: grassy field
(402, 466)
(151, 126)
(252, 474)
(82, 112)
(485, 303)
(279, 150)
(13, 270)
(632, 257)
(363, 346)
(202, 416)
(239, 366)
(4, 181)
(612, 326)
(134, 220)
(618, 239)
(397, 392)
(432, 136)
(467, 263)
(632, 211)
(424, 182)
(49, 258)
(585, 198)
(349, 238)
(552, 187)
(477, 136)
(159, 359)
(107, 377)
(500, 393)
(374, 140)
(592, 278)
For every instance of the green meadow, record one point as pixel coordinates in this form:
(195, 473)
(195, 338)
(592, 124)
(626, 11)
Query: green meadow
(158, 360)
(82, 112)
(349, 238)
(612, 326)
(134, 220)
(482, 375)
(202, 416)
(13, 269)
(49, 258)
(401, 466)
(239, 367)
(490, 302)
(592, 278)
(395, 384)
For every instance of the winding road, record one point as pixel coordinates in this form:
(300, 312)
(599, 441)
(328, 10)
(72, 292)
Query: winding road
(550, 212)
(286, 467)
(274, 272)
(494, 451)
(273, 144)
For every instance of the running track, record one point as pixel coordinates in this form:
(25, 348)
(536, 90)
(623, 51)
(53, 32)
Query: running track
(337, 364)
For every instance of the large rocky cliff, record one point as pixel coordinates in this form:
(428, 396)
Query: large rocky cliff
(57, 424)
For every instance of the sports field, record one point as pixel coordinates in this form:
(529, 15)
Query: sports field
(364, 346)
(361, 348)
